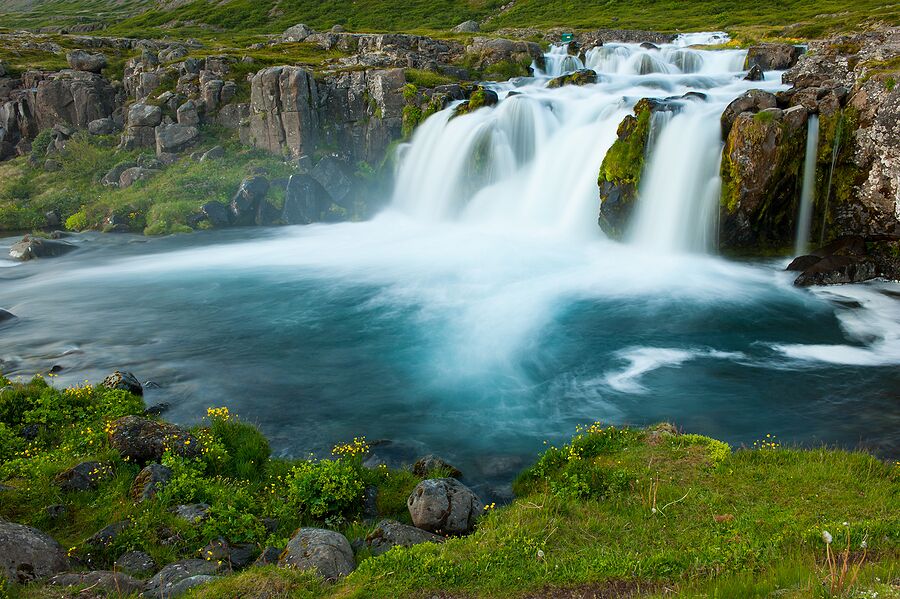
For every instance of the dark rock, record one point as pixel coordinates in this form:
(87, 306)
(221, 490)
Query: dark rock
(175, 138)
(325, 551)
(150, 481)
(82, 61)
(430, 464)
(30, 432)
(835, 270)
(4, 315)
(649, 46)
(27, 554)
(185, 584)
(216, 213)
(479, 98)
(52, 219)
(113, 583)
(444, 506)
(772, 57)
(847, 245)
(269, 556)
(754, 74)
(753, 100)
(107, 535)
(245, 203)
(305, 201)
(192, 512)
(156, 409)
(36, 247)
(331, 173)
(136, 563)
(164, 582)
(581, 77)
(124, 381)
(801, 263)
(86, 476)
(370, 502)
(142, 440)
(237, 556)
(390, 533)
(56, 511)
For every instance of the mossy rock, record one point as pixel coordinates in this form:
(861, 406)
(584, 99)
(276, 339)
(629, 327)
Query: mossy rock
(480, 98)
(581, 77)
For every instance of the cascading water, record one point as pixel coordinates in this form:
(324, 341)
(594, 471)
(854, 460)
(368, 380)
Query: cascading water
(532, 160)
(804, 218)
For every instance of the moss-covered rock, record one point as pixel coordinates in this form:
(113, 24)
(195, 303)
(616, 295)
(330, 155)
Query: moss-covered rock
(762, 170)
(580, 77)
(480, 98)
(621, 170)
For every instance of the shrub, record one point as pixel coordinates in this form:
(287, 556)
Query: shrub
(327, 489)
(245, 449)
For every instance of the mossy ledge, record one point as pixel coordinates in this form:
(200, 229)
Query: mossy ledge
(639, 512)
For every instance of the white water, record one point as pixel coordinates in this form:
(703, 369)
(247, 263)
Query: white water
(807, 195)
(531, 162)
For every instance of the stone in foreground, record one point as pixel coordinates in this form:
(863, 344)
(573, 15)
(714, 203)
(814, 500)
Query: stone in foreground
(143, 440)
(444, 506)
(327, 552)
(390, 533)
(27, 554)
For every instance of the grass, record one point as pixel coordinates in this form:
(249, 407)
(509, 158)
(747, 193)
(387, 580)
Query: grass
(652, 510)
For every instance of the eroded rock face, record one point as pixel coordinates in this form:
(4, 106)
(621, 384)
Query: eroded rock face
(390, 533)
(74, 98)
(143, 440)
(175, 138)
(84, 61)
(27, 554)
(772, 57)
(489, 51)
(327, 552)
(761, 178)
(444, 506)
(283, 104)
(305, 201)
(752, 100)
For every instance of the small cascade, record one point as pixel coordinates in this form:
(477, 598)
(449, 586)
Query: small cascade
(558, 62)
(807, 195)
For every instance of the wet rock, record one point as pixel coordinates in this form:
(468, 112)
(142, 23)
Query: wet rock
(444, 506)
(27, 554)
(143, 440)
(124, 381)
(754, 74)
(390, 533)
(649, 46)
(113, 583)
(297, 33)
(772, 57)
(480, 98)
(163, 584)
(467, 27)
(325, 551)
(83, 61)
(581, 77)
(156, 409)
(136, 563)
(430, 464)
(216, 213)
(245, 203)
(175, 138)
(30, 248)
(105, 126)
(753, 100)
(150, 481)
(192, 512)
(86, 476)
(305, 201)
(6, 315)
(835, 270)
(801, 263)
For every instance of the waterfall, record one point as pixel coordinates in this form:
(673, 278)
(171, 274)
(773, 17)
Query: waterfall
(531, 162)
(807, 195)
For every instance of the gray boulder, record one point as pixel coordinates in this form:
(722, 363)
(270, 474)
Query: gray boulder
(188, 114)
(107, 535)
(30, 248)
(86, 476)
(327, 552)
(192, 512)
(150, 481)
(6, 315)
(114, 583)
(142, 440)
(754, 74)
(83, 61)
(284, 118)
(297, 33)
(136, 563)
(114, 175)
(27, 554)
(305, 201)
(175, 138)
(104, 126)
(390, 533)
(331, 173)
(772, 57)
(134, 174)
(213, 153)
(124, 381)
(163, 584)
(444, 506)
(467, 27)
(246, 201)
(184, 585)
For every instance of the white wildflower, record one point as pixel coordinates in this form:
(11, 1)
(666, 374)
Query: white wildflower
(826, 536)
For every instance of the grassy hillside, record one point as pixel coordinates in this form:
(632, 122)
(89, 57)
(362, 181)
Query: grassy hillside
(796, 18)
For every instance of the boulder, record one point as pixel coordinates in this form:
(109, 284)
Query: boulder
(112, 583)
(754, 74)
(86, 476)
(488, 51)
(772, 57)
(188, 114)
(761, 173)
(835, 270)
(124, 381)
(27, 554)
(297, 33)
(213, 153)
(83, 61)
(73, 98)
(144, 115)
(753, 100)
(6, 315)
(327, 552)
(136, 563)
(246, 202)
(143, 440)
(185, 584)
(107, 535)
(216, 213)
(467, 27)
(332, 175)
(104, 126)
(163, 584)
(175, 138)
(150, 481)
(30, 248)
(305, 201)
(444, 506)
(429, 464)
(390, 533)
(479, 98)
(192, 512)
(134, 174)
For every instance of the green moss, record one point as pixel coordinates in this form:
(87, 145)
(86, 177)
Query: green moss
(624, 162)
(582, 77)
(422, 78)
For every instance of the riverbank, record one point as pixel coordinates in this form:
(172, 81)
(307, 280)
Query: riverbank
(614, 512)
